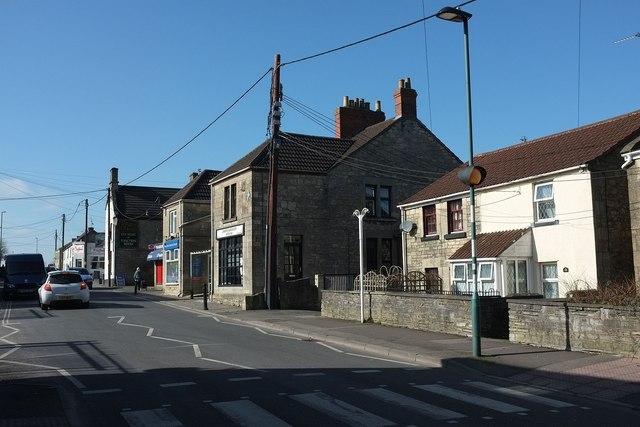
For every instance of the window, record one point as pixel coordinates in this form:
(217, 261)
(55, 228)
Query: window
(516, 281)
(292, 257)
(372, 254)
(97, 262)
(386, 246)
(486, 271)
(545, 205)
(454, 215)
(460, 277)
(78, 263)
(370, 199)
(550, 280)
(229, 202)
(172, 222)
(385, 201)
(172, 264)
(429, 220)
(378, 200)
(230, 259)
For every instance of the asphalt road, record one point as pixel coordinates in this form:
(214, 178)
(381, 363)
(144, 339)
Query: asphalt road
(131, 361)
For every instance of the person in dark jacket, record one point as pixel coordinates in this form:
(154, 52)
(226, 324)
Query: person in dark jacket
(138, 278)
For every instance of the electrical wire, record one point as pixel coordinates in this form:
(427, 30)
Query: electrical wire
(203, 130)
(346, 46)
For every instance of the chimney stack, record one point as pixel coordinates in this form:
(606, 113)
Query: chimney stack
(405, 99)
(356, 115)
(193, 176)
(113, 184)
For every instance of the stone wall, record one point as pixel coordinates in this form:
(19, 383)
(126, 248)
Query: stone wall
(575, 327)
(437, 313)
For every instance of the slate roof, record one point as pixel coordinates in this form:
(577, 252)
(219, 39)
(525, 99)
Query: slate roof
(305, 153)
(490, 245)
(540, 156)
(134, 202)
(197, 189)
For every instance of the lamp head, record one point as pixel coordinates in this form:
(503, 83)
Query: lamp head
(453, 14)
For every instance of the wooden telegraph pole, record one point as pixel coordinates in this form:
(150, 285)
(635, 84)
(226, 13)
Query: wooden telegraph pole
(271, 288)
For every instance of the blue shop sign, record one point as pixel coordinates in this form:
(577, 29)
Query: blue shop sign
(171, 244)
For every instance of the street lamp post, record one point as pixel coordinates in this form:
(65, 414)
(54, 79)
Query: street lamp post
(457, 15)
(360, 215)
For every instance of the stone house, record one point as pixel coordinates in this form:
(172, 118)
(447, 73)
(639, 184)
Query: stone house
(552, 215)
(186, 237)
(370, 162)
(133, 223)
(631, 164)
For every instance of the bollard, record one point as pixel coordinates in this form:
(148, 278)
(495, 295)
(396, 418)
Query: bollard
(204, 292)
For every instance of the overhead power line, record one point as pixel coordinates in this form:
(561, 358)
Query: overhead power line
(346, 46)
(203, 130)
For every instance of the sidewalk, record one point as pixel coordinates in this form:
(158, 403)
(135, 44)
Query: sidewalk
(598, 376)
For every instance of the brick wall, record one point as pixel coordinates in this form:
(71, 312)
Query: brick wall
(576, 327)
(437, 313)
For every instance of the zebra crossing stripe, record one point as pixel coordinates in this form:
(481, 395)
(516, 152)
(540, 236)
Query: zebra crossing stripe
(151, 418)
(412, 404)
(472, 399)
(521, 394)
(247, 413)
(341, 410)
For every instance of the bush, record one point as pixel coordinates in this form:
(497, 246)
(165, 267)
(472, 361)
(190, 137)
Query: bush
(623, 293)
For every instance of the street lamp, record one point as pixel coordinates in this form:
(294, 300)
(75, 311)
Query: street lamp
(469, 175)
(360, 215)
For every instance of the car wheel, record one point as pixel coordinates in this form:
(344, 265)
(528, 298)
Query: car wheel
(85, 304)
(44, 306)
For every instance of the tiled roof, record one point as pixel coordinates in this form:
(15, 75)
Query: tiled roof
(540, 156)
(298, 153)
(135, 202)
(197, 189)
(490, 245)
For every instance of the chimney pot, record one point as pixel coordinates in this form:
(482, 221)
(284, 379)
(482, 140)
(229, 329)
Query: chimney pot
(345, 101)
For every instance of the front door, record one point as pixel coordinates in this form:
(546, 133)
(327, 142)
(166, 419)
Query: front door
(292, 257)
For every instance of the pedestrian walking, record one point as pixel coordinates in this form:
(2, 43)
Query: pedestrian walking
(138, 278)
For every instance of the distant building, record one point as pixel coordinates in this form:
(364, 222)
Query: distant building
(133, 224)
(187, 237)
(73, 253)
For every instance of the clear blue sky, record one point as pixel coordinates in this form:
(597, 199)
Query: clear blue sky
(90, 85)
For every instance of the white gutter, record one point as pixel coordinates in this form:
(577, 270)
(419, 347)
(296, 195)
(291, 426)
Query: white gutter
(503, 184)
(630, 158)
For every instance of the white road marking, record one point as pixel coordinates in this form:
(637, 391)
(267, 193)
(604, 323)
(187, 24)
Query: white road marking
(412, 404)
(222, 362)
(151, 418)
(2, 356)
(247, 413)
(102, 391)
(236, 379)
(330, 347)
(71, 378)
(382, 359)
(341, 410)
(183, 384)
(521, 394)
(472, 399)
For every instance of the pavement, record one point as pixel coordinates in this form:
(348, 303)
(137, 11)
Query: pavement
(604, 377)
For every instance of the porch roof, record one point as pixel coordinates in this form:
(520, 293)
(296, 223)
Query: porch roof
(490, 245)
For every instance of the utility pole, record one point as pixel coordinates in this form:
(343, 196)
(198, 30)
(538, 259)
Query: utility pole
(271, 291)
(86, 230)
(62, 245)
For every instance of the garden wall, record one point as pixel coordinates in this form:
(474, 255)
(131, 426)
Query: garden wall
(576, 327)
(437, 313)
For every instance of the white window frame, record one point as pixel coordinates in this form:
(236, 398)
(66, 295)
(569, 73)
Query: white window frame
(173, 220)
(550, 280)
(540, 200)
(491, 268)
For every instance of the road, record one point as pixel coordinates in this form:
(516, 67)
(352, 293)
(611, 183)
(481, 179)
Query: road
(130, 360)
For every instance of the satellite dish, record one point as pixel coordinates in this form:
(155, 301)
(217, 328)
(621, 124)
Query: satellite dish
(408, 226)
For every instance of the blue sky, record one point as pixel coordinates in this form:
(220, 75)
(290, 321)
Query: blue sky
(90, 85)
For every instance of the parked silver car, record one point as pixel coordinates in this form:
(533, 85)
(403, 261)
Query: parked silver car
(63, 287)
(86, 275)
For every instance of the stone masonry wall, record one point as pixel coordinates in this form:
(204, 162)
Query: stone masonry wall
(437, 313)
(576, 327)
